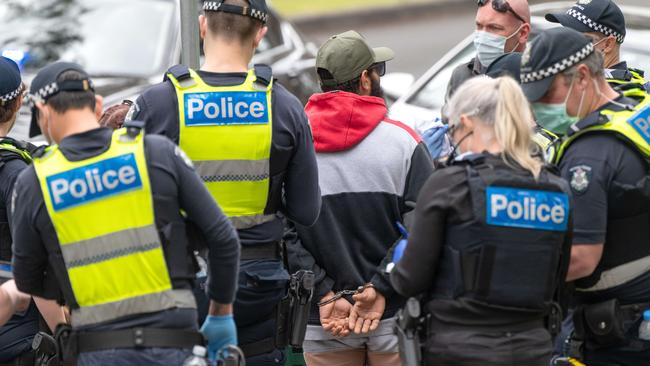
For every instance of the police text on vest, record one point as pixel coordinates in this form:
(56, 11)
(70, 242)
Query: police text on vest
(94, 181)
(525, 208)
(225, 108)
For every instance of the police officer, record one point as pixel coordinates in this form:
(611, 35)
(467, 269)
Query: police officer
(604, 157)
(603, 22)
(97, 223)
(490, 242)
(17, 334)
(251, 143)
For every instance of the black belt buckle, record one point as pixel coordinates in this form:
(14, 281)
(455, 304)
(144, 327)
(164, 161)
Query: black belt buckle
(139, 337)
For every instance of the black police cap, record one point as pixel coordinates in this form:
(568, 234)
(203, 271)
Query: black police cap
(508, 64)
(602, 16)
(256, 9)
(551, 53)
(45, 85)
(11, 84)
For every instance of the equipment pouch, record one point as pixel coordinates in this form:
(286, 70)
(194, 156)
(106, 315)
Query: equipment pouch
(602, 324)
(66, 341)
(283, 321)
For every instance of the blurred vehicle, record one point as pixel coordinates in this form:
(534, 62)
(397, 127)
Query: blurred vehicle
(420, 102)
(127, 45)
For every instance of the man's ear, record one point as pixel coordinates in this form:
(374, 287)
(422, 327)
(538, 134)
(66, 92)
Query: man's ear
(583, 76)
(365, 83)
(203, 26)
(610, 43)
(261, 33)
(99, 106)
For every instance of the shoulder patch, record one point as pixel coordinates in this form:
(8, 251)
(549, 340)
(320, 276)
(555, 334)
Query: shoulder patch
(132, 113)
(580, 178)
(186, 159)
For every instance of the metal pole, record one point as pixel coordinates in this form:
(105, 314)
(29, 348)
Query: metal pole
(190, 33)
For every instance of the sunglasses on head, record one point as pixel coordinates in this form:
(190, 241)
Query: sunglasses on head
(380, 68)
(502, 6)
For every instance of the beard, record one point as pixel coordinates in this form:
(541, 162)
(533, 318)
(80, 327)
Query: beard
(375, 88)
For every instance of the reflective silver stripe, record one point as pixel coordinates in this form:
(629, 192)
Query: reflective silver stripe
(137, 305)
(233, 170)
(620, 275)
(246, 222)
(107, 247)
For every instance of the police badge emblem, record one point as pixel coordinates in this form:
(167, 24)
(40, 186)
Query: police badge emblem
(580, 178)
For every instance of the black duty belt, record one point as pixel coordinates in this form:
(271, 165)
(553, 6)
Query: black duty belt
(260, 252)
(137, 338)
(257, 348)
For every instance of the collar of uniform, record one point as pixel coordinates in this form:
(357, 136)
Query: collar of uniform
(596, 118)
(223, 78)
(85, 145)
(619, 66)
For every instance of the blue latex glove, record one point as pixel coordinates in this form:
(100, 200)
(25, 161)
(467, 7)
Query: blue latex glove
(220, 331)
(434, 138)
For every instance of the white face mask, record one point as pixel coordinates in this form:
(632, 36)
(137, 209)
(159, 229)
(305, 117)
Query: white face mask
(490, 46)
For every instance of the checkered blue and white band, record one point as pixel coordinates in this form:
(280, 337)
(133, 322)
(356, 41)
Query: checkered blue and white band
(558, 67)
(597, 27)
(11, 96)
(220, 6)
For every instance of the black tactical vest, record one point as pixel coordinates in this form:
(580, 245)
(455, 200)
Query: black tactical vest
(509, 254)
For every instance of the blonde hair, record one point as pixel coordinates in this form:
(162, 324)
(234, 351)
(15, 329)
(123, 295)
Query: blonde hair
(499, 103)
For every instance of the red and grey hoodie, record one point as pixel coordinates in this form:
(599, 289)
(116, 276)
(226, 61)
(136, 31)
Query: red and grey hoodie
(370, 170)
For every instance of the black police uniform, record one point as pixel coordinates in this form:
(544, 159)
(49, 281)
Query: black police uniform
(38, 260)
(605, 17)
(17, 334)
(463, 73)
(294, 192)
(604, 171)
(489, 282)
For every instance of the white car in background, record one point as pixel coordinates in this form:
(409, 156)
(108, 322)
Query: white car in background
(420, 102)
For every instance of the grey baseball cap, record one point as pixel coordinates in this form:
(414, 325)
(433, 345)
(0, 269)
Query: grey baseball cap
(346, 55)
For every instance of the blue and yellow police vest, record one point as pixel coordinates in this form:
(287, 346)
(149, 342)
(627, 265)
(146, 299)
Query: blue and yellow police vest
(631, 125)
(546, 141)
(227, 132)
(102, 212)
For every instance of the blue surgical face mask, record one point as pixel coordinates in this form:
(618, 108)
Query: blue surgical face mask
(490, 46)
(554, 117)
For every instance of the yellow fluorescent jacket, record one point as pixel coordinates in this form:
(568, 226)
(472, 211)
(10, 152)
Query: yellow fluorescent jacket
(102, 212)
(227, 132)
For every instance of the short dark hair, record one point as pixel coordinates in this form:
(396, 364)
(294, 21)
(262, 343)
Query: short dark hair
(351, 86)
(9, 108)
(233, 27)
(65, 101)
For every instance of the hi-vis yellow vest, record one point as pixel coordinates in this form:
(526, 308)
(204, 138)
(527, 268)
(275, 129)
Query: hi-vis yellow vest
(227, 132)
(632, 125)
(102, 212)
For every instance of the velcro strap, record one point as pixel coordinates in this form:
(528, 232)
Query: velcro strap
(260, 252)
(138, 338)
(264, 74)
(257, 348)
(179, 72)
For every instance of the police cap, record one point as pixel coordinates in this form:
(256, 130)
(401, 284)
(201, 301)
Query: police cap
(11, 84)
(551, 53)
(256, 9)
(602, 16)
(345, 56)
(45, 86)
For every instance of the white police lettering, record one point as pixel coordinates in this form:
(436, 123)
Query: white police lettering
(94, 181)
(527, 208)
(641, 123)
(225, 108)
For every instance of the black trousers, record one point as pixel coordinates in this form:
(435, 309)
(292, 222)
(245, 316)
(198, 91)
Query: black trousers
(618, 357)
(485, 348)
